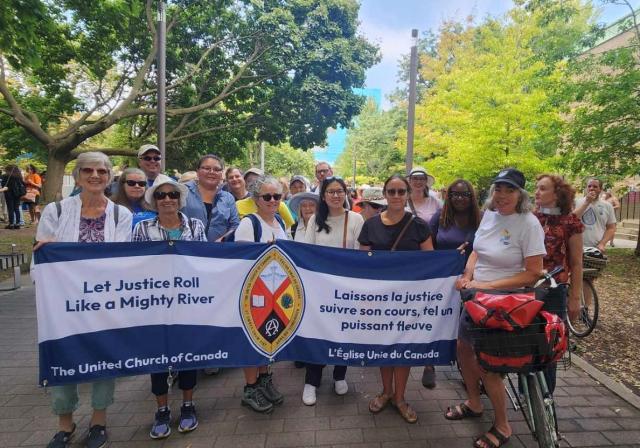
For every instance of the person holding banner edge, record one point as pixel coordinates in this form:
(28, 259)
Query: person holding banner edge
(395, 229)
(167, 196)
(89, 217)
(260, 394)
(508, 253)
(331, 226)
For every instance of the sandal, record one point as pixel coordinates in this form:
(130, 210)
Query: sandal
(460, 412)
(488, 443)
(406, 411)
(379, 403)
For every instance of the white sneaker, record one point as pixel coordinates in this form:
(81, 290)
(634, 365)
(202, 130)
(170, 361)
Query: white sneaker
(309, 395)
(341, 387)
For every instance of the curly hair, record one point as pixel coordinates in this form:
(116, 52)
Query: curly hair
(563, 190)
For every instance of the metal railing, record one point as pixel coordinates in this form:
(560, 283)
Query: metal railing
(629, 206)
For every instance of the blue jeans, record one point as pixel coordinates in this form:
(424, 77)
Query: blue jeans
(64, 399)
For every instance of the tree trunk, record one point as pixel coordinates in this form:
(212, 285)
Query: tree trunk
(52, 188)
(637, 251)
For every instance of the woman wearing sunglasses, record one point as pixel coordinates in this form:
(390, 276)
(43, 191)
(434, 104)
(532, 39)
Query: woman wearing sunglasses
(332, 226)
(132, 184)
(260, 394)
(168, 197)
(395, 229)
(89, 217)
(454, 227)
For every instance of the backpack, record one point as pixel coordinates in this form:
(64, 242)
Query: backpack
(19, 188)
(257, 228)
(116, 212)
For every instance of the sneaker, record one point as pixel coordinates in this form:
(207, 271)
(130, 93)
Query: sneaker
(188, 419)
(429, 377)
(340, 387)
(97, 436)
(309, 395)
(255, 399)
(62, 438)
(161, 424)
(265, 382)
(212, 371)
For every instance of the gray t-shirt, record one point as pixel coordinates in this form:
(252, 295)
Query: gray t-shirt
(595, 219)
(503, 242)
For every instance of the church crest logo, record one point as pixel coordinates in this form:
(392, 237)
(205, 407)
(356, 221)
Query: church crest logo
(271, 302)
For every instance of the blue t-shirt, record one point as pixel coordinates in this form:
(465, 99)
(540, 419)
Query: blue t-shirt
(451, 237)
(140, 214)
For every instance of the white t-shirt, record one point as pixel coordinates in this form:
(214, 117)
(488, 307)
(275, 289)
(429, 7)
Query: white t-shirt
(595, 219)
(503, 242)
(244, 232)
(300, 232)
(428, 208)
(334, 237)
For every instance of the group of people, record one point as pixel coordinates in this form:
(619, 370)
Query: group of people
(507, 244)
(20, 189)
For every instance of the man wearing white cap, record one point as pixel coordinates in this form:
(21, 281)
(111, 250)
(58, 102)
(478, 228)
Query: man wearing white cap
(149, 159)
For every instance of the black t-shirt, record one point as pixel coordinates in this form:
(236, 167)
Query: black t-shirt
(380, 236)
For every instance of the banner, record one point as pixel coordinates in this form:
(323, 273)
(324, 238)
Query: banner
(115, 309)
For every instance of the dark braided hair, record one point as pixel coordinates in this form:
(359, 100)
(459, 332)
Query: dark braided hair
(447, 216)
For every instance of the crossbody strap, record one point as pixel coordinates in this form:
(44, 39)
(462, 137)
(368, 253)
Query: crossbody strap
(344, 229)
(402, 232)
(412, 207)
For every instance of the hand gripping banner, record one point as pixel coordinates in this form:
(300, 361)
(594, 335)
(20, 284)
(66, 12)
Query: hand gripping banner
(116, 309)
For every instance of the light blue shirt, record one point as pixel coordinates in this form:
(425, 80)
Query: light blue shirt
(224, 216)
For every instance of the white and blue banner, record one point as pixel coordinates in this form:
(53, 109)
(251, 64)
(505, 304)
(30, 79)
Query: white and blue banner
(116, 309)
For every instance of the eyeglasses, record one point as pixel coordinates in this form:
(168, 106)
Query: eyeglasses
(209, 169)
(164, 194)
(139, 183)
(418, 178)
(89, 171)
(396, 191)
(322, 172)
(267, 197)
(149, 158)
(459, 194)
(335, 193)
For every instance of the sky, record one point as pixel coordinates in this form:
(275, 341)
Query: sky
(389, 23)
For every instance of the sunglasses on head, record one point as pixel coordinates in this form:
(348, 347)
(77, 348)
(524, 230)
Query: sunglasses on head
(396, 191)
(90, 171)
(150, 158)
(267, 197)
(164, 194)
(133, 183)
(460, 194)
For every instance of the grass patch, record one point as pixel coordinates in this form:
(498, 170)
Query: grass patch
(23, 239)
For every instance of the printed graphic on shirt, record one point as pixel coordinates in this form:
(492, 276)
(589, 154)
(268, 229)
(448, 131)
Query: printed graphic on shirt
(589, 217)
(505, 237)
(271, 302)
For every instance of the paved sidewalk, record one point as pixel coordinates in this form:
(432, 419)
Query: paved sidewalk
(590, 415)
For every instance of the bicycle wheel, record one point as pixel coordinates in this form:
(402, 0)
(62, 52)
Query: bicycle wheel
(587, 318)
(543, 417)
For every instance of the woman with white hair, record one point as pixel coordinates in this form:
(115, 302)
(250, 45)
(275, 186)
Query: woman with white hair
(507, 253)
(89, 217)
(167, 196)
(264, 226)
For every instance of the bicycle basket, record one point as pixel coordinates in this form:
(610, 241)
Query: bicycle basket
(520, 351)
(594, 266)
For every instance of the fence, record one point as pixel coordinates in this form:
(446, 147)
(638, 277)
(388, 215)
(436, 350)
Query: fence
(629, 206)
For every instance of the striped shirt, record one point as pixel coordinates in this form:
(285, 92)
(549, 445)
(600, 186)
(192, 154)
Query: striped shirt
(151, 230)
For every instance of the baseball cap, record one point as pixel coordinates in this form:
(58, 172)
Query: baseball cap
(510, 176)
(299, 178)
(373, 195)
(256, 171)
(146, 148)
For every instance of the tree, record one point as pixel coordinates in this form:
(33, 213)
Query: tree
(281, 160)
(372, 140)
(492, 100)
(237, 71)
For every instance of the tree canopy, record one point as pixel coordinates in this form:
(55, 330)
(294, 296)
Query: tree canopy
(237, 71)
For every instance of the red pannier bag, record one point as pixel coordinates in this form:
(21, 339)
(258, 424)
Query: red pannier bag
(506, 310)
(556, 337)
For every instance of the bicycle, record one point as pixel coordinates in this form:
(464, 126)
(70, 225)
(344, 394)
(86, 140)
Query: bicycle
(593, 262)
(531, 396)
